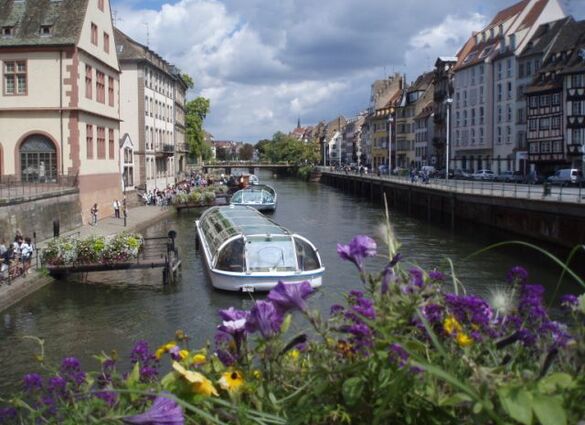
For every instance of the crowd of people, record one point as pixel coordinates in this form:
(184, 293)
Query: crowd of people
(164, 197)
(15, 257)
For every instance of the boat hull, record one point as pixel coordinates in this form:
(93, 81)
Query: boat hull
(259, 283)
(259, 207)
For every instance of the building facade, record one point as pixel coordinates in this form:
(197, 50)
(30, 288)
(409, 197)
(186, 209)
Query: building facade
(485, 92)
(59, 105)
(181, 146)
(442, 100)
(147, 105)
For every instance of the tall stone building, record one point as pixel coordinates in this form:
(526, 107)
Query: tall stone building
(484, 128)
(147, 107)
(59, 105)
(181, 147)
(442, 101)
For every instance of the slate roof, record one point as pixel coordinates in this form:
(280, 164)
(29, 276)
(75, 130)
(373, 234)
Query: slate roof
(26, 17)
(544, 35)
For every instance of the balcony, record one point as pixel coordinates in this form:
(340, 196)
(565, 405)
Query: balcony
(166, 149)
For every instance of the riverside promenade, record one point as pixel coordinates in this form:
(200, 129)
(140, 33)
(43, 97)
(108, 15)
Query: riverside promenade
(138, 219)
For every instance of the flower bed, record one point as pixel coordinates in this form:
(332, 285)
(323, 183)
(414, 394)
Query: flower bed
(200, 196)
(408, 347)
(94, 249)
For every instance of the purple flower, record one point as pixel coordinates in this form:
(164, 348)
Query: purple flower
(336, 309)
(56, 384)
(141, 353)
(162, 412)
(231, 314)
(416, 277)
(110, 397)
(436, 276)
(174, 352)
(287, 297)
(358, 249)
(569, 301)
(531, 304)
(470, 308)
(148, 373)
(70, 364)
(362, 306)
(226, 357)
(398, 355)
(32, 382)
(265, 318)
(8, 414)
(433, 313)
(517, 274)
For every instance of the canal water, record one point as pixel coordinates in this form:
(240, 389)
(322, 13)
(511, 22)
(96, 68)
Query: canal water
(114, 309)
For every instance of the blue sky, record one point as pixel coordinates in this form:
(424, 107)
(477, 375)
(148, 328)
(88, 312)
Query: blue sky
(264, 63)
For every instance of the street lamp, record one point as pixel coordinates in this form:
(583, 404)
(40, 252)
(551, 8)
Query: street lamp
(448, 102)
(390, 121)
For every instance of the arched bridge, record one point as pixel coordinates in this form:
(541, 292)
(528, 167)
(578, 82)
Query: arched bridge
(250, 166)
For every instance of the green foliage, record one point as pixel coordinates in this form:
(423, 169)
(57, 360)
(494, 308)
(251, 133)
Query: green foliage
(283, 148)
(246, 152)
(188, 81)
(195, 112)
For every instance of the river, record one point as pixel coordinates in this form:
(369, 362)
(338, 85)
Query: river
(112, 310)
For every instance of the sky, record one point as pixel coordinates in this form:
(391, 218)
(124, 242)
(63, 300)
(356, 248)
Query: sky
(266, 63)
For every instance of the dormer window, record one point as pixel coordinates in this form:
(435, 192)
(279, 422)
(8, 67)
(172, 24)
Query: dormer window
(491, 33)
(483, 37)
(501, 29)
(7, 31)
(46, 30)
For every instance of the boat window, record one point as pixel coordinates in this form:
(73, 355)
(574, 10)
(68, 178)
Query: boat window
(270, 254)
(306, 256)
(231, 257)
(237, 198)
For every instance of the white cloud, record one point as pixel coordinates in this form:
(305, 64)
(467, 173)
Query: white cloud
(262, 63)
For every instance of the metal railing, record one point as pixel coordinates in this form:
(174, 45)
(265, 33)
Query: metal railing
(542, 192)
(13, 187)
(15, 268)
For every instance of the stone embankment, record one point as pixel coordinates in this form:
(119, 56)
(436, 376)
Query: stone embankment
(138, 219)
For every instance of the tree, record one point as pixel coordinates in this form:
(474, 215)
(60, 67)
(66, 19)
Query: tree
(246, 152)
(262, 147)
(188, 81)
(284, 148)
(195, 112)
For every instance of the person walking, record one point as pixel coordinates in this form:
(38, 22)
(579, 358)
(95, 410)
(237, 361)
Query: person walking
(94, 214)
(26, 251)
(116, 208)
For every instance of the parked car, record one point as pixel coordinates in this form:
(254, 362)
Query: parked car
(484, 175)
(460, 174)
(566, 176)
(510, 177)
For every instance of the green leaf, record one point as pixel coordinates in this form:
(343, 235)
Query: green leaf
(134, 376)
(549, 410)
(168, 381)
(286, 323)
(554, 382)
(456, 399)
(517, 402)
(352, 390)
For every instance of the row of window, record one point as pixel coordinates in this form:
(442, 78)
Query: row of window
(544, 100)
(95, 36)
(546, 147)
(473, 93)
(155, 137)
(100, 86)
(545, 123)
(159, 167)
(100, 138)
(462, 138)
(480, 120)
(158, 110)
(156, 81)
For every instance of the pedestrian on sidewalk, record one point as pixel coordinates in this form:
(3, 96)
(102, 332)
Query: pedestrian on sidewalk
(26, 251)
(116, 205)
(94, 214)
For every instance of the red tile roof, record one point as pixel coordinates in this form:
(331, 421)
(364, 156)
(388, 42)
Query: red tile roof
(533, 14)
(510, 12)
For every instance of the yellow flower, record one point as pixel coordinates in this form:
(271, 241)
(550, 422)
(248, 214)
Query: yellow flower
(183, 354)
(257, 374)
(231, 381)
(199, 359)
(205, 388)
(451, 325)
(294, 354)
(164, 349)
(463, 339)
(201, 385)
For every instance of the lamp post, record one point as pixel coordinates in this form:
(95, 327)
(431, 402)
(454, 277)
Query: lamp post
(448, 102)
(390, 121)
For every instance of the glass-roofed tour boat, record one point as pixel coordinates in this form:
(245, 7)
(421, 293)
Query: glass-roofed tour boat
(262, 197)
(245, 251)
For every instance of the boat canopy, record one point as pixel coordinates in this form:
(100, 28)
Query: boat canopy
(240, 239)
(259, 194)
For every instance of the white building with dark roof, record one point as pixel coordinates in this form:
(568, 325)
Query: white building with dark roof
(484, 130)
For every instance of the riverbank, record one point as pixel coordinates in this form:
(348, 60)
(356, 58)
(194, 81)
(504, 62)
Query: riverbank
(138, 219)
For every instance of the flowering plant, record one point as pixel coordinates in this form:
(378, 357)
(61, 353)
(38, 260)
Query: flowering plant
(93, 249)
(408, 346)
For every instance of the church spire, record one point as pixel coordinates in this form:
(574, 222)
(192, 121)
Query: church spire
(299, 122)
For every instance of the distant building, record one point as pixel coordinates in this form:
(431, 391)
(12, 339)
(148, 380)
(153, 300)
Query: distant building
(556, 101)
(59, 105)
(485, 96)
(442, 100)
